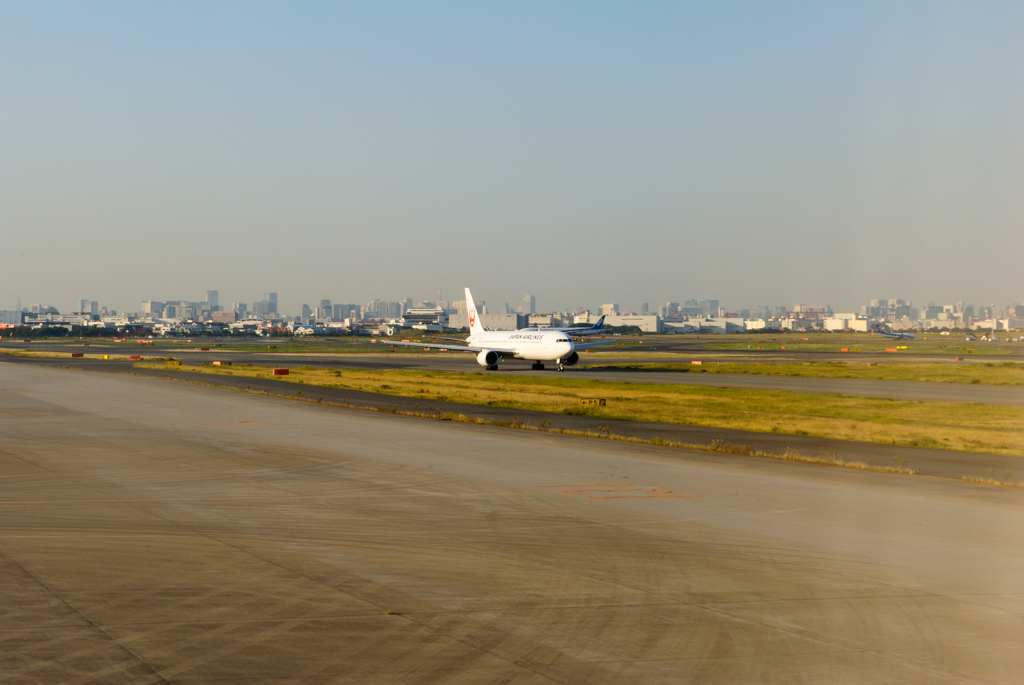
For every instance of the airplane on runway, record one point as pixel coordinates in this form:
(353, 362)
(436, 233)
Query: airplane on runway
(531, 344)
(582, 330)
(889, 334)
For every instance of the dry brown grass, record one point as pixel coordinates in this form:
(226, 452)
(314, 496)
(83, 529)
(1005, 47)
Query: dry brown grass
(1007, 482)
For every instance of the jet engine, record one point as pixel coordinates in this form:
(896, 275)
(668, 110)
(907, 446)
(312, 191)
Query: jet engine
(571, 359)
(487, 358)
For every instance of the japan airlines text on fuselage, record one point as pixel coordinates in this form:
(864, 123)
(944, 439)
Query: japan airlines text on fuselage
(528, 345)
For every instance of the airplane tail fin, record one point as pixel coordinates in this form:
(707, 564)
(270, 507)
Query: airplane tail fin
(475, 326)
(600, 323)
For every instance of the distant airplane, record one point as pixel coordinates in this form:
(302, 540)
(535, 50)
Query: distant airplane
(582, 330)
(889, 334)
(536, 345)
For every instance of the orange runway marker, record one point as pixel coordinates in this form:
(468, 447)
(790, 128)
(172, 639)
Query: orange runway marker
(584, 485)
(643, 496)
(650, 491)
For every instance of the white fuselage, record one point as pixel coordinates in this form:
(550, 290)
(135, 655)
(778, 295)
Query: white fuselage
(540, 346)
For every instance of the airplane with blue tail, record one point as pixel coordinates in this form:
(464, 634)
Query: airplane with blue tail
(890, 334)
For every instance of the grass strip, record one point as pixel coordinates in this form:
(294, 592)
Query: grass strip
(994, 481)
(994, 429)
(998, 373)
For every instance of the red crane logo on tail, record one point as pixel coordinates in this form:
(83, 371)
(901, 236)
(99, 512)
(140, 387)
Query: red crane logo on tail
(472, 317)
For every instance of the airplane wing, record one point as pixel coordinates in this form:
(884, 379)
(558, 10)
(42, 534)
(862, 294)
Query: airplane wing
(441, 337)
(452, 348)
(433, 337)
(458, 348)
(583, 346)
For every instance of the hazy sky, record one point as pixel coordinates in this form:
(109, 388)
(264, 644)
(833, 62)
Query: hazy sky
(755, 153)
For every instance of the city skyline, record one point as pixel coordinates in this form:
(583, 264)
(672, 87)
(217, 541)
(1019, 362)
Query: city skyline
(293, 306)
(923, 315)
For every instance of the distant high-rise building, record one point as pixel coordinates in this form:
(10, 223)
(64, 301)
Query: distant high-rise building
(325, 310)
(261, 309)
(610, 309)
(709, 307)
(240, 308)
(83, 306)
(213, 298)
(645, 309)
(151, 309)
(306, 313)
(271, 299)
(379, 309)
(529, 304)
(348, 311)
(892, 310)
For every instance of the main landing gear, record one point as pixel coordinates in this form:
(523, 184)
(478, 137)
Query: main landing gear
(537, 366)
(492, 367)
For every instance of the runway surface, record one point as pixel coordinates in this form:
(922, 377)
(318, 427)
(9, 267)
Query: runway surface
(158, 532)
(925, 461)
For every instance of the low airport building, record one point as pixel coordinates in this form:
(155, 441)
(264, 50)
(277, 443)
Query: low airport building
(650, 323)
(712, 325)
(544, 321)
(492, 322)
(425, 316)
(848, 322)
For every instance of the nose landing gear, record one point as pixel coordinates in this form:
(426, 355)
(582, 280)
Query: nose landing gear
(561, 366)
